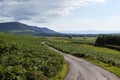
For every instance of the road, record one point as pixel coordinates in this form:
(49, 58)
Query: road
(79, 69)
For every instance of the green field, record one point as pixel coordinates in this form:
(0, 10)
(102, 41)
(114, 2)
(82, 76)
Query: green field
(25, 58)
(83, 47)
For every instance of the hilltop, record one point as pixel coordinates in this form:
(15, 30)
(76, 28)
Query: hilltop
(20, 28)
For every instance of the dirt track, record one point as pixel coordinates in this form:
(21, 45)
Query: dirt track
(79, 69)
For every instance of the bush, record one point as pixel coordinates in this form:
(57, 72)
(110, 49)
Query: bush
(25, 58)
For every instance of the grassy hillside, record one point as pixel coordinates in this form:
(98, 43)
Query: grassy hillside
(82, 47)
(25, 58)
(20, 28)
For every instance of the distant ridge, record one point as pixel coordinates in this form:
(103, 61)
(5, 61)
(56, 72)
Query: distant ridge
(90, 32)
(20, 28)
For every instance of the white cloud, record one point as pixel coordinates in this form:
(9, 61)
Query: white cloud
(39, 10)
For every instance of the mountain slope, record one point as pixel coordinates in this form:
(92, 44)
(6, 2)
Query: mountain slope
(19, 28)
(10, 26)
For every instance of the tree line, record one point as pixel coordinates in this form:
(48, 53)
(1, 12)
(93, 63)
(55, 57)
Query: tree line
(103, 40)
(109, 41)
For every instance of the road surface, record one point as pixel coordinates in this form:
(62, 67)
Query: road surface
(79, 69)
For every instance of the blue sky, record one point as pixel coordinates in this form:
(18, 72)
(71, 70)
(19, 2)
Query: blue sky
(64, 15)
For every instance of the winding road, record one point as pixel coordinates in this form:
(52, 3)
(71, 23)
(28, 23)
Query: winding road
(79, 69)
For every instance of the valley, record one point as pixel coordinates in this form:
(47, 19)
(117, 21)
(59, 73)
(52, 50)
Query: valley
(62, 57)
(59, 39)
(56, 58)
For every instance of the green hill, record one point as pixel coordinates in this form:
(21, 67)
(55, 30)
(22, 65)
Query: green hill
(20, 28)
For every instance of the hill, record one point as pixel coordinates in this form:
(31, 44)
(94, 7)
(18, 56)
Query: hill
(90, 32)
(20, 28)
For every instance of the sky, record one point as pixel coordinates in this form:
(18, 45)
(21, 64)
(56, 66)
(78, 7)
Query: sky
(63, 15)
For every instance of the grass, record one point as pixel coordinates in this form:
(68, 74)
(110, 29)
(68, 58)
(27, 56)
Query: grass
(77, 40)
(61, 74)
(100, 49)
(106, 58)
(108, 67)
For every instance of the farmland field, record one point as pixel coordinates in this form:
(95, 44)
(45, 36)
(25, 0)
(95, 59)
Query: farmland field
(84, 48)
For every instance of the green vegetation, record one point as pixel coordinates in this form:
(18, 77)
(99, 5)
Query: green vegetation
(110, 41)
(75, 40)
(113, 69)
(103, 55)
(25, 58)
(61, 74)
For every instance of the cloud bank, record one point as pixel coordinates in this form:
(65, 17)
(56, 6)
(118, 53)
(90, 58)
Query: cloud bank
(39, 10)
